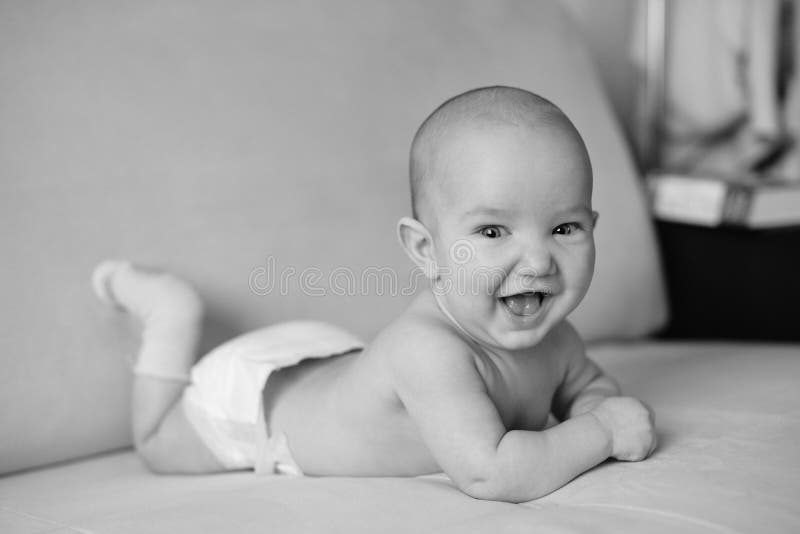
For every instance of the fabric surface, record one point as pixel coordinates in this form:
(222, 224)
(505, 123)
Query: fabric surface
(728, 420)
(260, 150)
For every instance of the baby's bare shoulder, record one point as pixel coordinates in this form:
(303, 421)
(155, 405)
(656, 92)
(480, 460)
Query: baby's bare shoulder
(420, 343)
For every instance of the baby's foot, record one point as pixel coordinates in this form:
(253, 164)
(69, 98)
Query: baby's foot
(146, 293)
(170, 310)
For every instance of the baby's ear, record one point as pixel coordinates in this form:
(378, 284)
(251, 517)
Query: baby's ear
(418, 244)
(595, 216)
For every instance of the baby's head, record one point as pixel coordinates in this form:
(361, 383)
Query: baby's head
(502, 223)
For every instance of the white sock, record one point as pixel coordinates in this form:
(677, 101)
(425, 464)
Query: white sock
(170, 310)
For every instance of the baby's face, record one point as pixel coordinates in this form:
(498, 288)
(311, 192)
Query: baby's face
(513, 230)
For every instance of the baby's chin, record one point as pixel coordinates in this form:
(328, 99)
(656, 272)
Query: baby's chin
(502, 337)
(516, 340)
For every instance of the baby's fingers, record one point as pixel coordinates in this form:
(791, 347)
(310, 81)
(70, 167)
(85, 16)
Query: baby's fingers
(653, 435)
(653, 445)
(640, 443)
(650, 443)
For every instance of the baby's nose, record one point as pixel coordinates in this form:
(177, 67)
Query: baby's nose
(536, 261)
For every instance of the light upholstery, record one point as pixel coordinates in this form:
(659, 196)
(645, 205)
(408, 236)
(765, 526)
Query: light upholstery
(213, 137)
(728, 424)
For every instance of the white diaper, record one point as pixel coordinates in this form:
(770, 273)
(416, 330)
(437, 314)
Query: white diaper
(224, 401)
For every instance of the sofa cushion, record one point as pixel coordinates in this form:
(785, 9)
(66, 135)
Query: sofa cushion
(260, 150)
(727, 462)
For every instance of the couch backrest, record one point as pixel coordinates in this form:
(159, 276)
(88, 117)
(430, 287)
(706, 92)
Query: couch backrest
(227, 139)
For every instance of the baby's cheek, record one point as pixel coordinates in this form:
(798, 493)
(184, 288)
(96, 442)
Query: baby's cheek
(487, 276)
(581, 272)
(588, 266)
(578, 259)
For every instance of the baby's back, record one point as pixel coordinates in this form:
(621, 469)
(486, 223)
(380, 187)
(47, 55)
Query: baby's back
(343, 416)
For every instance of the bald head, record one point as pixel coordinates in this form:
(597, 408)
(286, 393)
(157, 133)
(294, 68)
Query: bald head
(485, 106)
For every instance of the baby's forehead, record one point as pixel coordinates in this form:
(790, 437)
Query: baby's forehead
(464, 125)
(505, 157)
(485, 144)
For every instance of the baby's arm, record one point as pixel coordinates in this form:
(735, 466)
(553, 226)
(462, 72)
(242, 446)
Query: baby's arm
(584, 385)
(440, 386)
(586, 389)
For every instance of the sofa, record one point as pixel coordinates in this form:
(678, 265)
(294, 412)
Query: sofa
(234, 141)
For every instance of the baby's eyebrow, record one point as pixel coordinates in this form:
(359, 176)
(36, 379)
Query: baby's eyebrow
(484, 210)
(581, 209)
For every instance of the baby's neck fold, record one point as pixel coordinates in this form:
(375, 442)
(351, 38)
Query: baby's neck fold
(446, 313)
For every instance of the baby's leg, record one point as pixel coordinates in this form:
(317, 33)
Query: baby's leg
(171, 313)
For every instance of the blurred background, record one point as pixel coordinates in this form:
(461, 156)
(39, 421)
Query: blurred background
(707, 93)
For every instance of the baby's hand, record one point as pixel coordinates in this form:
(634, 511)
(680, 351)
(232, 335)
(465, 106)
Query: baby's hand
(630, 423)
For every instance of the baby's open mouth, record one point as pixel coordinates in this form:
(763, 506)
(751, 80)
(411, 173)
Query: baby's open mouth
(524, 304)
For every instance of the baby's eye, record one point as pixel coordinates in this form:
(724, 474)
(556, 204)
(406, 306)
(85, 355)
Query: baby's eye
(567, 228)
(491, 232)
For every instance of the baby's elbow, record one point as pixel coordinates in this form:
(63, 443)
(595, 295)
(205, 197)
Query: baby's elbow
(482, 489)
(496, 488)
(477, 483)
(498, 476)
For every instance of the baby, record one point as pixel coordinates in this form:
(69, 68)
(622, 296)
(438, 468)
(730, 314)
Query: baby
(463, 381)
